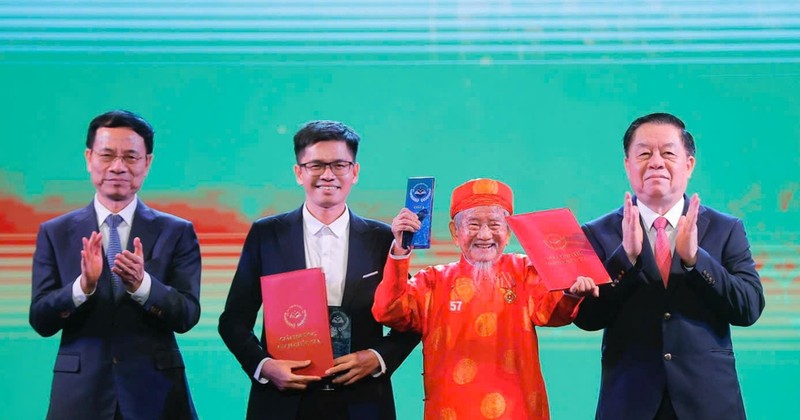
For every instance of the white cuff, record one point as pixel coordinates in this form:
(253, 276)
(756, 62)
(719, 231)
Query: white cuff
(141, 294)
(383, 364)
(397, 257)
(257, 374)
(78, 297)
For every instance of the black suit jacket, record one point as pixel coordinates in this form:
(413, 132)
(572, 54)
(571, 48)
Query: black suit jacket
(118, 353)
(275, 245)
(677, 338)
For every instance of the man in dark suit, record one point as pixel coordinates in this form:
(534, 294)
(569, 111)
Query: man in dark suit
(682, 274)
(352, 251)
(117, 310)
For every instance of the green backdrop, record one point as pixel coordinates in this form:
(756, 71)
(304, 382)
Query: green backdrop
(534, 93)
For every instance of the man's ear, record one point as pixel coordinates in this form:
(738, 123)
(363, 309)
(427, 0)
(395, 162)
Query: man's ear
(298, 174)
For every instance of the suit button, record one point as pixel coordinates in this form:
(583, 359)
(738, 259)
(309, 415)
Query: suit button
(667, 316)
(114, 360)
(668, 357)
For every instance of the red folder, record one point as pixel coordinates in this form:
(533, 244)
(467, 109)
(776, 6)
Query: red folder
(558, 248)
(296, 319)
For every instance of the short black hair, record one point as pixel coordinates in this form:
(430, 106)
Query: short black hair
(122, 118)
(659, 118)
(324, 130)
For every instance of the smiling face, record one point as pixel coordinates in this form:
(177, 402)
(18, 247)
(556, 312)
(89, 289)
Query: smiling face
(481, 233)
(118, 163)
(326, 193)
(658, 165)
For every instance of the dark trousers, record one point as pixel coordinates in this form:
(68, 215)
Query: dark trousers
(665, 410)
(318, 404)
(332, 405)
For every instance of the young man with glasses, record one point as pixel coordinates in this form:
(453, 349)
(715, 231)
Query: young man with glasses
(351, 250)
(117, 279)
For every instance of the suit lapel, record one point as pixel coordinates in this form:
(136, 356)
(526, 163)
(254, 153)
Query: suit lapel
(83, 224)
(145, 227)
(357, 252)
(702, 225)
(290, 239)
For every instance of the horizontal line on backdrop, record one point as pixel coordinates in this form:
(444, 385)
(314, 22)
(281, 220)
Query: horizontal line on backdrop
(729, 36)
(675, 23)
(762, 48)
(411, 10)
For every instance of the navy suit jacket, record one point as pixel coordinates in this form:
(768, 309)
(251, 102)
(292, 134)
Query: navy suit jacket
(118, 354)
(677, 338)
(275, 245)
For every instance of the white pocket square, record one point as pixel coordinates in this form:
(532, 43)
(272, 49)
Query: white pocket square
(369, 275)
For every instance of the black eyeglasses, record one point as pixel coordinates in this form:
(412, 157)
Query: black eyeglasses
(338, 167)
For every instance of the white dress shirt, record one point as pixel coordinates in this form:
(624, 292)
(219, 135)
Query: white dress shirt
(326, 247)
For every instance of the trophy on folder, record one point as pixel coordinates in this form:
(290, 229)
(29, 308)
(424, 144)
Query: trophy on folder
(419, 199)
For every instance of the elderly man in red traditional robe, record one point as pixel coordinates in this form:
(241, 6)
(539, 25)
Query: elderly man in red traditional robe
(477, 315)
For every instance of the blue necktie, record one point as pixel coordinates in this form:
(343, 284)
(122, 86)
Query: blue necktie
(114, 248)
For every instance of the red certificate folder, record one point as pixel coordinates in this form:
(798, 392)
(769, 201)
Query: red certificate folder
(296, 319)
(558, 248)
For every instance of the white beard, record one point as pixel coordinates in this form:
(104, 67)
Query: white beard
(484, 278)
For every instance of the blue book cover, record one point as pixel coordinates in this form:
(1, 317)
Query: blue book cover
(419, 199)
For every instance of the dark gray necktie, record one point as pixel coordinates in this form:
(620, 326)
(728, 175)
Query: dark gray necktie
(114, 248)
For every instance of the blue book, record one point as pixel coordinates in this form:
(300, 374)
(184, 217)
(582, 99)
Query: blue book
(419, 199)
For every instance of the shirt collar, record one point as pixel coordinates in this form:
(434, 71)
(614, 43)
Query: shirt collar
(338, 226)
(126, 213)
(649, 216)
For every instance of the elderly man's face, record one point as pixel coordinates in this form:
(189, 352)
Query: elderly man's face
(658, 165)
(481, 233)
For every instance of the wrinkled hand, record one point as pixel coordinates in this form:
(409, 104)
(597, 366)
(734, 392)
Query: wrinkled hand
(686, 235)
(129, 266)
(584, 286)
(405, 221)
(355, 365)
(279, 372)
(91, 262)
(631, 229)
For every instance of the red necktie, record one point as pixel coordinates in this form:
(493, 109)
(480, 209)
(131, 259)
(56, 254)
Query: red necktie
(663, 252)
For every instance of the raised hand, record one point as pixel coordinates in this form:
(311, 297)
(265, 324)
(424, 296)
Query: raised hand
(631, 229)
(686, 235)
(91, 262)
(405, 221)
(129, 266)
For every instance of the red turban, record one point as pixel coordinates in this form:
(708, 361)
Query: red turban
(481, 192)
